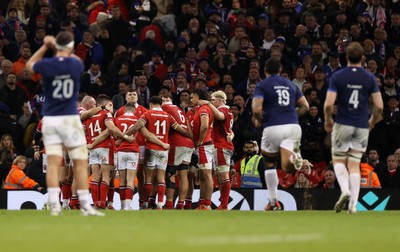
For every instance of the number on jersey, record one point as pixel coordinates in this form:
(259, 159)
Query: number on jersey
(95, 128)
(160, 127)
(354, 100)
(283, 97)
(63, 88)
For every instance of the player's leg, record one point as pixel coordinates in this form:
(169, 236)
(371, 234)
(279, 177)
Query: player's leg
(223, 167)
(353, 163)
(183, 184)
(290, 147)
(341, 134)
(106, 170)
(140, 174)
(161, 164)
(65, 184)
(111, 189)
(358, 146)
(53, 163)
(206, 154)
(94, 163)
(170, 186)
(130, 178)
(121, 165)
(191, 175)
(270, 142)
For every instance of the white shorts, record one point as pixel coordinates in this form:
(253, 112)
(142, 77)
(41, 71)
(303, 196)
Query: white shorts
(346, 137)
(179, 154)
(127, 160)
(205, 154)
(157, 159)
(102, 156)
(222, 157)
(142, 153)
(280, 136)
(64, 130)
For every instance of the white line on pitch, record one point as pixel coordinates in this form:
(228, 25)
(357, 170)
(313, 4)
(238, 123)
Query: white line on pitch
(252, 239)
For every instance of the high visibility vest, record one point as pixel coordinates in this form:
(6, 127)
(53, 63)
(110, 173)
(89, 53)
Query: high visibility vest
(9, 185)
(250, 177)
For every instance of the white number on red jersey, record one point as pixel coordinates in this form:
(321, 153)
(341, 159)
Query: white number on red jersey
(95, 128)
(162, 125)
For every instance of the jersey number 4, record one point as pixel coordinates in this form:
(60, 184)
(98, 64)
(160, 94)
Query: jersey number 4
(63, 88)
(354, 100)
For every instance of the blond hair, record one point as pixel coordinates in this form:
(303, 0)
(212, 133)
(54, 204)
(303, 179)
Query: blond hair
(220, 95)
(19, 158)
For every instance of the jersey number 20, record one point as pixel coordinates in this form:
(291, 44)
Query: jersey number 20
(63, 88)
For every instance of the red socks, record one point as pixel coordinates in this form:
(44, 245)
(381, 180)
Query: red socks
(161, 192)
(225, 189)
(103, 194)
(129, 193)
(94, 189)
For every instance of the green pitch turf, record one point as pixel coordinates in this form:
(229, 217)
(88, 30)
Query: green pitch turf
(204, 231)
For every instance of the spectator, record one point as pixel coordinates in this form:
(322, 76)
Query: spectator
(16, 178)
(329, 180)
(299, 77)
(303, 180)
(118, 100)
(118, 28)
(13, 96)
(6, 69)
(369, 179)
(373, 160)
(252, 167)
(390, 177)
(89, 50)
(143, 12)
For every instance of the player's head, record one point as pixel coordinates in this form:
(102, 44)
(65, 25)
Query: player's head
(218, 98)
(131, 96)
(355, 53)
(102, 100)
(155, 101)
(272, 66)
(166, 98)
(198, 94)
(88, 102)
(130, 107)
(65, 41)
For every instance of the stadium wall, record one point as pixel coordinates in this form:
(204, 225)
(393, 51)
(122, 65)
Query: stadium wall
(241, 199)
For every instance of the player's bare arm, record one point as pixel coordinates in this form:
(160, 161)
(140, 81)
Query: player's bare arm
(328, 109)
(217, 114)
(48, 43)
(257, 111)
(91, 112)
(182, 131)
(377, 110)
(153, 138)
(302, 106)
(116, 131)
(203, 128)
(100, 138)
(132, 130)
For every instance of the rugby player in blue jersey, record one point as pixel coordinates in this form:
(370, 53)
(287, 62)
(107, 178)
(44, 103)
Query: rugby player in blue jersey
(62, 126)
(277, 105)
(351, 89)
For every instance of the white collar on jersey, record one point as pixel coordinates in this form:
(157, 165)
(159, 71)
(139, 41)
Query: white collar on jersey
(168, 103)
(129, 114)
(223, 106)
(157, 109)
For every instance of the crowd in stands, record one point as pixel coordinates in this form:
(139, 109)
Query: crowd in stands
(165, 46)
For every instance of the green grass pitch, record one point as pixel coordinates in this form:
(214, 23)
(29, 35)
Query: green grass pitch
(204, 231)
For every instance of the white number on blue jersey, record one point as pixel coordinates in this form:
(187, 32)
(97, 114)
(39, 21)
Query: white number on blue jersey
(354, 99)
(283, 97)
(63, 88)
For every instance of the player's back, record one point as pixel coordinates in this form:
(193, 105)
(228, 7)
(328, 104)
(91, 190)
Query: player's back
(222, 128)
(61, 81)
(124, 122)
(353, 86)
(280, 96)
(95, 125)
(158, 123)
(175, 138)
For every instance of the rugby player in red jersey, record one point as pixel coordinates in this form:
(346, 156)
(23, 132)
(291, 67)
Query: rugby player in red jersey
(202, 137)
(180, 154)
(157, 122)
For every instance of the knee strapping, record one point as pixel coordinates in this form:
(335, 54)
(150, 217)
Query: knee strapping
(170, 172)
(78, 153)
(183, 167)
